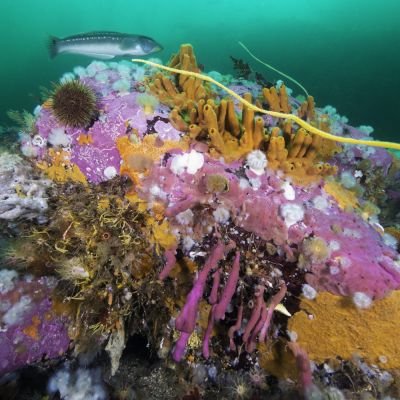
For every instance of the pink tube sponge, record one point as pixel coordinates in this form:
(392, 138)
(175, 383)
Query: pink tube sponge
(229, 291)
(186, 320)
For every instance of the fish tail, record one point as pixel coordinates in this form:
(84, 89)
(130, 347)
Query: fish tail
(53, 46)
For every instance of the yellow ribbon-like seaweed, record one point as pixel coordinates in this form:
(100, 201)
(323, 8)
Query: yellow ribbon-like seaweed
(276, 70)
(292, 117)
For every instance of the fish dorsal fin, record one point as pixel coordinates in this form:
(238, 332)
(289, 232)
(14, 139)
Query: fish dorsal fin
(105, 33)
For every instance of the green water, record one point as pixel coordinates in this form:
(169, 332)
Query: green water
(345, 52)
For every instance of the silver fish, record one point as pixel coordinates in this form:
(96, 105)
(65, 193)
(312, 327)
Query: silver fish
(104, 45)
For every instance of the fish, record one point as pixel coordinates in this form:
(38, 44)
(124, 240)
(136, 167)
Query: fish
(104, 45)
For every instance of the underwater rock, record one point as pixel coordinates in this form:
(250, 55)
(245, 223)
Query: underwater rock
(196, 221)
(23, 190)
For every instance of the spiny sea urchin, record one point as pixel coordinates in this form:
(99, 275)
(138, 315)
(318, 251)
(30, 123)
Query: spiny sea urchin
(74, 103)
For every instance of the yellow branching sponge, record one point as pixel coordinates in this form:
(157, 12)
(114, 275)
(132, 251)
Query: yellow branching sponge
(303, 124)
(60, 168)
(184, 91)
(331, 326)
(299, 154)
(220, 126)
(307, 109)
(277, 100)
(300, 145)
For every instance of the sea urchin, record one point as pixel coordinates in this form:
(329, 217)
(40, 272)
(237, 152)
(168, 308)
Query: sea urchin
(74, 103)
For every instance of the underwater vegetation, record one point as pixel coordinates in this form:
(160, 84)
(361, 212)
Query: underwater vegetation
(250, 237)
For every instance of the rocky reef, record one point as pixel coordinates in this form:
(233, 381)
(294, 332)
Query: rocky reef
(239, 253)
